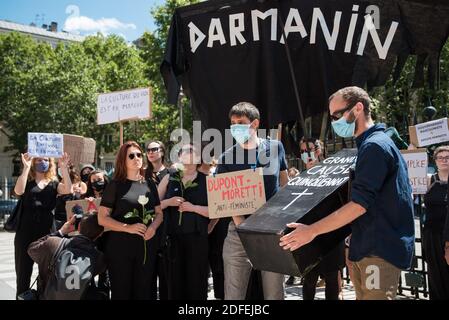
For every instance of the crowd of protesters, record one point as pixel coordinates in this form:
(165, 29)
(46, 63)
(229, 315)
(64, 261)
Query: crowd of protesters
(161, 244)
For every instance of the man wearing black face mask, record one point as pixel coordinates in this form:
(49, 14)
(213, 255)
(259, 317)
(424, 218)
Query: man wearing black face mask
(86, 170)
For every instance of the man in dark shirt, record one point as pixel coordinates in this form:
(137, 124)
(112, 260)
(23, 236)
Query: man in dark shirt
(250, 152)
(381, 208)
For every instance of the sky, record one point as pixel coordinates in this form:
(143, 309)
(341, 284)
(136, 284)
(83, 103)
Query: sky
(129, 19)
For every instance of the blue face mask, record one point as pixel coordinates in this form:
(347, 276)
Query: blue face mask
(305, 157)
(343, 128)
(42, 167)
(241, 132)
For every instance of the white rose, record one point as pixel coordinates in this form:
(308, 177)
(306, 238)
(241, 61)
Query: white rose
(179, 166)
(143, 200)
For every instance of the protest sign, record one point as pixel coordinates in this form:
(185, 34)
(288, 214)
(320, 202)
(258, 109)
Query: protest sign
(49, 145)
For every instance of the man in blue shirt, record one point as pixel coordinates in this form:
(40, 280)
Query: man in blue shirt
(381, 208)
(250, 151)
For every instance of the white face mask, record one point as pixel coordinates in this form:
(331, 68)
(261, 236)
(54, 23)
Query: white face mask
(306, 158)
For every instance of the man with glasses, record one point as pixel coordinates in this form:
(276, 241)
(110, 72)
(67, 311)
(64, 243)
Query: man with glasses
(381, 208)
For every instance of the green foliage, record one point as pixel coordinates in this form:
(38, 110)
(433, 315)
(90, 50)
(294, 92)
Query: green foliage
(55, 90)
(400, 105)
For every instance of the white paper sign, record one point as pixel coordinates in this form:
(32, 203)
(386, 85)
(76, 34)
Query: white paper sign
(417, 163)
(124, 105)
(432, 132)
(49, 145)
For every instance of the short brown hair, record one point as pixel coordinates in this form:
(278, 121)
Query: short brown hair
(245, 109)
(439, 150)
(353, 95)
(89, 226)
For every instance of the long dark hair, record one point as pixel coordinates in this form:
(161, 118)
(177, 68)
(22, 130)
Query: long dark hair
(90, 190)
(149, 172)
(120, 173)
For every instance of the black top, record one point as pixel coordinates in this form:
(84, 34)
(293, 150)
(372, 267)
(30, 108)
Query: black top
(158, 175)
(191, 222)
(61, 200)
(38, 205)
(122, 198)
(436, 204)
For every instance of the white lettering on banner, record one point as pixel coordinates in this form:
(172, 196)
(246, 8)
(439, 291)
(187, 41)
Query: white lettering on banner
(294, 24)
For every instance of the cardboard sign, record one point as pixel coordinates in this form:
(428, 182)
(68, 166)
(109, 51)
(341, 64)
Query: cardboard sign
(310, 196)
(95, 205)
(86, 205)
(428, 133)
(417, 163)
(236, 193)
(49, 145)
(124, 105)
(81, 150)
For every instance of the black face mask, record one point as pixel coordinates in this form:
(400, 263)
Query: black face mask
(98, 185)
(84, 178)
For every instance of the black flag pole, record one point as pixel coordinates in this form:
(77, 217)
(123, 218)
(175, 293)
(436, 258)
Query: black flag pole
(292, 73)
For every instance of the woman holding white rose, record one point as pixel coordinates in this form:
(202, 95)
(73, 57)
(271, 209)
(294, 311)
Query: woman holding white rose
(187, 219)
(130, 208)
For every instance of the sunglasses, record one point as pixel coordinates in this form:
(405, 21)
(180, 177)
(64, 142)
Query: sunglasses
(153, 150)
(131, 156)
(338, 114)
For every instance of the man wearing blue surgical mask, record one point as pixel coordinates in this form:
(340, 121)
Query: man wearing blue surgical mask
(250, 151)
(381, 206)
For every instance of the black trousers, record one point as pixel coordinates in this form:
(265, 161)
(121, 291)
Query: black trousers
(23, 263)
(216, 241)
(188, 267)
(437, 268)
(311, 279)
(130, 279)
(160, 266)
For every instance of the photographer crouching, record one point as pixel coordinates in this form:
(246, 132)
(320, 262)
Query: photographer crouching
(67, 266)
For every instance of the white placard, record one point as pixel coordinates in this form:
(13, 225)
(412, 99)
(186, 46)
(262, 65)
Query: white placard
(49, 145)
(432, 132)
(124, 105)
(417, 163)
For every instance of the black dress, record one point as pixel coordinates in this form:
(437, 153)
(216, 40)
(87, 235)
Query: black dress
(125, 253)
(433, 242)
(188, 243)
(36, 222)
(161, 238)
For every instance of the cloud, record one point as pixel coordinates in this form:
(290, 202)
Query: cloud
(104, 25)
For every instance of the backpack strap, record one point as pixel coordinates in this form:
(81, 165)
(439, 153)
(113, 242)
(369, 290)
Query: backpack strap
(64, 243)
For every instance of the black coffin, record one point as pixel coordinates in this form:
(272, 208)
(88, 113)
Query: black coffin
(318, 192)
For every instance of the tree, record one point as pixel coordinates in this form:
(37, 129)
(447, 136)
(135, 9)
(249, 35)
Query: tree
(166, 117)
(55, 90)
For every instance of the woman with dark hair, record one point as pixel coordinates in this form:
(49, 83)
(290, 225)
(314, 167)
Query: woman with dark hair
(96, 184)
(126, 203)
(433, 240)
(187, 218)
(156, 171)
(77, 191)
(37, 187)
(156, 167)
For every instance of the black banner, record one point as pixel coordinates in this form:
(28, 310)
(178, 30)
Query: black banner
(226, 51)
